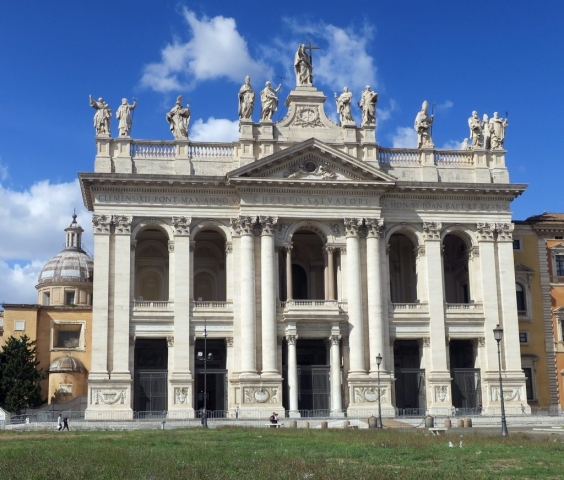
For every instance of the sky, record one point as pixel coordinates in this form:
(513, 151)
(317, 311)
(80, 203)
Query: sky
(485, 56)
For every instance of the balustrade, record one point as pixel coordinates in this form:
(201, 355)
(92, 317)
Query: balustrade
(153, 149)
(147, 305)
(455, 157)
(397, 156)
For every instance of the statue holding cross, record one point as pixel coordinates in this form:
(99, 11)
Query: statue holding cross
(303, 65)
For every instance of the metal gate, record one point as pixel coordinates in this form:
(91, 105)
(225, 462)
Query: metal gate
(410, 390)
(151, 391)
(313, 389)
(466, 388)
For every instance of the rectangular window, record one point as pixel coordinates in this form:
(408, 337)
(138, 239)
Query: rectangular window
(524, 337)
(68, 335)
(69, 298)
(529, 383)
(46, 298)
(516, 244)
(559, 260)
(19, 325)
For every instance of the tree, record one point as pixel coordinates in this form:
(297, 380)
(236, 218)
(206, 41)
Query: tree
(19, 377)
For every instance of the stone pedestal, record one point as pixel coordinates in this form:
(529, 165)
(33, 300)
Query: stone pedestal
(103, 161)
(364, 395)
(109, 400)
(181, 398)
(429, 170)
(182, 162)
(260, 397)
(122, 155)
(439, 393)
(246, 140)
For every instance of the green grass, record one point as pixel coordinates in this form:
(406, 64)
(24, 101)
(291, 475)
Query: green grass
(240, 453)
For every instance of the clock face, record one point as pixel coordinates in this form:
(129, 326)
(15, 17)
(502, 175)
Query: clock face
(307, 115)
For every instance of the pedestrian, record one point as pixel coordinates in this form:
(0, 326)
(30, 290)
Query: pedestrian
(237, 412)
(60, 423)
(66, 424)
(273, 420)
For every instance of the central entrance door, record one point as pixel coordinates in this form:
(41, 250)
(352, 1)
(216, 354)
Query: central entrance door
(150, 387)
(410, 377)
(213, 384)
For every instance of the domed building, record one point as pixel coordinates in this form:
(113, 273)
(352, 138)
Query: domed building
(66, 279)
(61, 320)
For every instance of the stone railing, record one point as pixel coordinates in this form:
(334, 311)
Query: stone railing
(409, 307)
(203, 151)
(147, 305)
(310, 303)
(398, 156)
(160, 150)
(454, 157)
(462, 307)
(153, 149)
(213, 304)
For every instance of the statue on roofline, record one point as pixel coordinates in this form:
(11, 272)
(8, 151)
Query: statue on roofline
(475, 130)
(422, 126)
(269, 101)
(102, 117)
(303, 67)
(179, 119)
(246, 100)
(367, 104)
(125, 117)
(497, 129)
(344, 102)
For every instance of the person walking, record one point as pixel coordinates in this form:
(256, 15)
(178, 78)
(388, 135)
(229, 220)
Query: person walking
(60, 422)
(66, 424)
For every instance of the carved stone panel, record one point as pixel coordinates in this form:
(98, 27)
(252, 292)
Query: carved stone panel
(442, 394)
(181, 395)
(181, 225)
(432, 230)
(108, 396)
(370, 394)
(261, 395)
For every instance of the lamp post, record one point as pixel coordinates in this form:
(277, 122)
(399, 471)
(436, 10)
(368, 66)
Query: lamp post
(204, 358)
(498, 335)
(378, 362)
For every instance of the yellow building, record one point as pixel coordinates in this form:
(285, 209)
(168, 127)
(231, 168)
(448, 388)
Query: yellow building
(549, 228)
(537, 355)
(60, 322)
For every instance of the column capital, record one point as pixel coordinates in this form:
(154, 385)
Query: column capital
(291, 339)
(375, 227)
(228, 248)
(181, 225)
(229, 341)
(334, 339)
(432, 230)
(329, 249)
(170, 341)
(122, 224)
(268, 224)
(286, 248)
(485, 232)
(504, 232)
(352, 226)
(101, 223)
(170, 246)
(243, 225)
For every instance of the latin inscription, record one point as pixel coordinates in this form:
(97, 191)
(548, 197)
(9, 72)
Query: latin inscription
(436, 205)
(168, 199)
(306, 200)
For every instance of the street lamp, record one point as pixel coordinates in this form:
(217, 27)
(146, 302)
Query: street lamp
(498, 335)
(205, 357)
(378, 362)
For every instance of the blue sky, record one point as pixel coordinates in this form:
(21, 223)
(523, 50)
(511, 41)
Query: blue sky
(485, 56)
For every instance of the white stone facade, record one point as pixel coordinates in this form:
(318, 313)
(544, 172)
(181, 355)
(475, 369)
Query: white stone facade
(398, 252)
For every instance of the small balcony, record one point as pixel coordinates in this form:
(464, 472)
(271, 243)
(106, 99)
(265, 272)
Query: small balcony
(312, 309)
(218, 310)
(464, 311)
(409, 311)
(145, 310)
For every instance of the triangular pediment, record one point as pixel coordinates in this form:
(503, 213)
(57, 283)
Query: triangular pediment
(558, 246)
(311, 161)
(520, 268)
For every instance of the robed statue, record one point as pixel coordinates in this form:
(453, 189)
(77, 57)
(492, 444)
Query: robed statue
(422, 126)
(246, 100)
(102, 117)
(125, 117)
(303, 67)
(269, 101)
(179, 119)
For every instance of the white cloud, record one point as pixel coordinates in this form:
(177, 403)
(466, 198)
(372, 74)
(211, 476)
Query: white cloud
(384, 114)
(215, 49)
(452, 145)
(343, 60)
(33, 223)
(215, 130)
(446, 105)
(405, 137)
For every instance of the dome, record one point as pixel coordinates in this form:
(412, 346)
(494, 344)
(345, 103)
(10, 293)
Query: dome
(71, 265)
(66, 364)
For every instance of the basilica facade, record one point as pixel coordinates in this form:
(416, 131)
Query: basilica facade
(302, 268)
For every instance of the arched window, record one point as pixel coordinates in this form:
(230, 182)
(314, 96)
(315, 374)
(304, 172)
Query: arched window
(521, 303)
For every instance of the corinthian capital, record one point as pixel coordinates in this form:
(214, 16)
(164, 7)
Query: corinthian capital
(181, 225)
(267, 224)
(485, 231)
(352, 226)
(375, 226)
(504, 232)
(432, 230)
(243, 225)
(101, 223)
(122, 224)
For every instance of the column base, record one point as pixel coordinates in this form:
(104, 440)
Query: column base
(260, 396)
(364, 395)
(181, 396)
(514, 393)
(109, 400)
(439, 393)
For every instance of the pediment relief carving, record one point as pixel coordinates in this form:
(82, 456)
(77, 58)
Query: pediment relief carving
(313, 161)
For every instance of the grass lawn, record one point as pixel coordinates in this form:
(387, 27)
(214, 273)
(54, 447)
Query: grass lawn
(242, 453)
